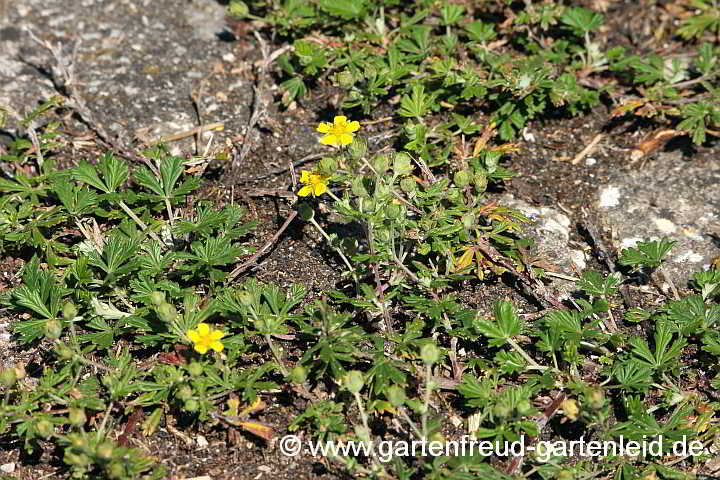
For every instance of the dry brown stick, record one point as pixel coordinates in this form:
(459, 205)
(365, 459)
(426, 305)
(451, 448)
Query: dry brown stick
(533, 286)
(548, 413)
(378, 284)
(260, 99)
(602, 254)
(588, 149)
(76, 102)
(251, 261)
(277, 171)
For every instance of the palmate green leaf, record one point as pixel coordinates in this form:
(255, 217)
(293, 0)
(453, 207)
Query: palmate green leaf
(40, 291)
(582, 20)
(104, 337)
(665, 353)
(343, 8)
(504, 326)
(115, 172)
(711, 343)
(166, 187)
(213, 251)
(510, 362)
(27, 187)
(594, 284)
(295, 89)
(691, 314)
(417, 104)
(385, 373)
(698, 116)
(30, 298)
(118, 257)
(77, 201)
(632, 375)
(646, 254)
(476, 392)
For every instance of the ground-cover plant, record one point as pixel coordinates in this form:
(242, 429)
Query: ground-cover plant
(511, 65)
(128, 302)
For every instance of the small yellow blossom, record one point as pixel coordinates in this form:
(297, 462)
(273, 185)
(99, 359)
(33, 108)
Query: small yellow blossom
(339, 132)
(571, 409)
(314, 183)
(205, 337)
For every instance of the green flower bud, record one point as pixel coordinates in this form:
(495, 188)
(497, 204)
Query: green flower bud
(77, 459)
(166, 312)
(596, 399)
(501, 411)
(345, 79)
(564, 475)
(370, 71)
(116, 470)
(396, 395)
(354, 381)
(69, 310)
(455, 195)
(362, 432)
(8, 377)
(524, 407)
(53, 329)
(429, 353)
(298, 374)
(77, 417)
(358, 187)
(19, 371)
(328, 165)
(105, 450)
(152, 422)
(394, 211)
(192, 405)
(184, 393)
(408, 185)
(244, 297)
(63, 351)
(107, 380)
(157, 298)
(368, 205)
(480, 181)
(358, 148)
(305, 211)
(195, 369)
(380, 164)
(238, 9)
(468, 220)
(44, 428)
(462, 178)
(402, 164)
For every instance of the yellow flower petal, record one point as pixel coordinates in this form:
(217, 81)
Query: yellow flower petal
(193, 336)
(320, 188)
(305, 176)
(346, 138)
(201, 348)
(305, 191)
(329, 140)
(203, 329)
(217, 346)
(353, 126)
(324, 127)
(340, 120)
(217, 334)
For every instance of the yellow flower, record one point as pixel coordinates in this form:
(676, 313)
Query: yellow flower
(339, 132)
(205, 337)
(314, 183)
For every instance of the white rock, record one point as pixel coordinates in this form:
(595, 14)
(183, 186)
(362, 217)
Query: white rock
(610, 197)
